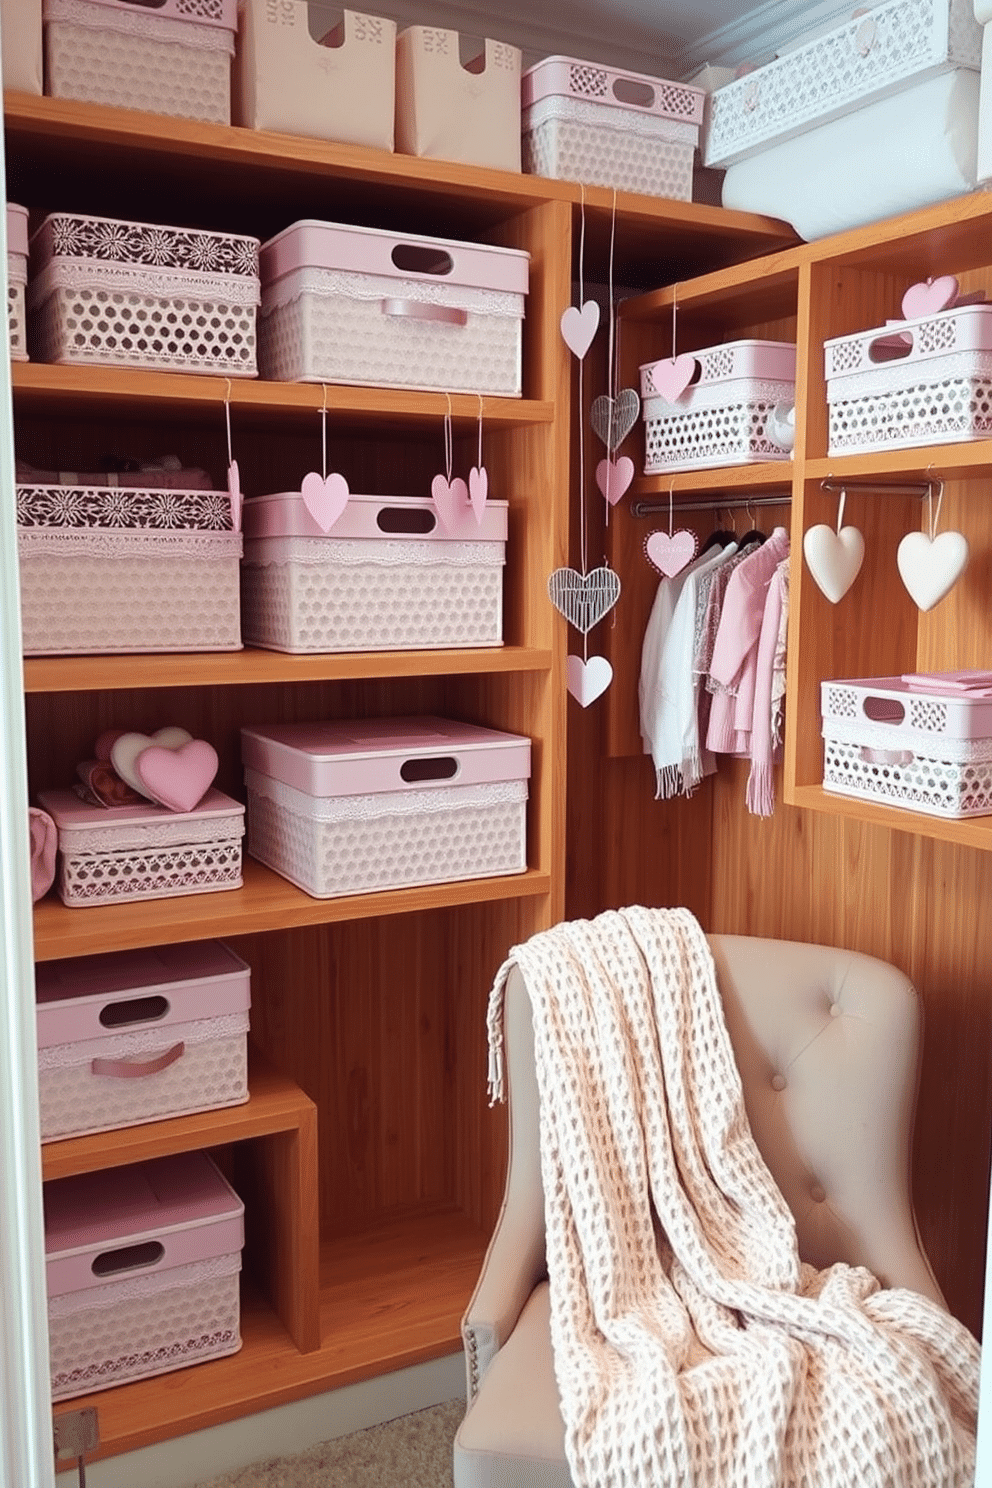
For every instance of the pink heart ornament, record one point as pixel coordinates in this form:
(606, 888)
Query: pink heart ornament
(930, 568)
(930, 296)
(178, 778)
(588, 680)
(672, 375)
(450, 498)
(579, 326)
(126, 748)
(669, 553)
(613, 477)
(834, 558)
(478, 490)
(325, 498)
(234, 492)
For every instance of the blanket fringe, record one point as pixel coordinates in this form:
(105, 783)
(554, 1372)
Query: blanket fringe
(669, 782)
(494, 1029)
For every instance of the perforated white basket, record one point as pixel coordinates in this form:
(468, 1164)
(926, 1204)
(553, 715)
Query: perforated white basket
(570, 139)
(173, 60)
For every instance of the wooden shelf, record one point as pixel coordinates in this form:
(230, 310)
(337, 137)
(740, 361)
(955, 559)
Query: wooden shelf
(44, 674)
(388, 1299)
(930, 462)
(266, 902)
(771, 475)
(969, 832)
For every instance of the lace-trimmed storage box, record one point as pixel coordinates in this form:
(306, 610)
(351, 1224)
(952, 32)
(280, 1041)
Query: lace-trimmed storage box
(112, 293)
(142, 1265)
(583, 122)
(448, 109)
(353, 807)
(913, 382)
(893, 46)
(356, 305)
(733, 412)
(923, 750)
(388, 576)
(107, 856)
(173, 59)
(108, 569)
(136, 1036)
(17, 278)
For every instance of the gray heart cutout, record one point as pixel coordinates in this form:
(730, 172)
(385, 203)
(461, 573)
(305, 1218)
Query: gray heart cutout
(584, 598)
(613, 418)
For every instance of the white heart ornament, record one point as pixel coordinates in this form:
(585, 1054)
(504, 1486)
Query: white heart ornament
(478, 490)
(584, 599)
(780, 425)
(672, 375)
(325, 497)
(588, 680)
(930, 568)
(613, 418)
(450, 498)
(669, 553)
(126, 747)
(578, 327)
(613, 477)
(834, 558)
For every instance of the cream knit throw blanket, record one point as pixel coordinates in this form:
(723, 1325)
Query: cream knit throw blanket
(696, 1349)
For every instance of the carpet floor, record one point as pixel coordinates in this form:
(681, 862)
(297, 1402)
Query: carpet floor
(411, 1452)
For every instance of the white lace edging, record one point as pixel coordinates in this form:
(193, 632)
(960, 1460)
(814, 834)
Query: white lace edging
(385, 803)
(321, 552)
(201, 31)
(368, 288)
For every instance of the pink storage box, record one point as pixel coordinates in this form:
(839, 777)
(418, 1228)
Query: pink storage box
(144, 852)
(17, 278)
(361, 805)
(142, 1265)
(356, 305)
(387, 576)
(603, 127)
(174, 58)
(912, 382)
(734, 411)
(905, 744)
(136, 1036)
(106, 569)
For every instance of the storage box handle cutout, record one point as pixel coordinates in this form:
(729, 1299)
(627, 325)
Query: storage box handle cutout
(403, 519)
(128, 1258)
(891, 348)
(137, 1069)
(886, 756)
(134, 1010)
(884, 710)
(634, 93)
(417, 310)
(441, 767)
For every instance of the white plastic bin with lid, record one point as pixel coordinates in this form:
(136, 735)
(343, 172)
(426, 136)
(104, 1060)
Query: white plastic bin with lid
(448, 109)
(171, 57)
(358, 305)
(921, 745)
(733, 410)
(389, 575)
(603, 127)
(361, 805)
(135, 1036)
(107, 856)
(17, 278)
(22, 45)
(983, 14)
(341, 86)
(142, 1265)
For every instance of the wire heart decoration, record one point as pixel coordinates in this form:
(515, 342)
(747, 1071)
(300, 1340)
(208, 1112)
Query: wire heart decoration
(584, 599)
(613, 418)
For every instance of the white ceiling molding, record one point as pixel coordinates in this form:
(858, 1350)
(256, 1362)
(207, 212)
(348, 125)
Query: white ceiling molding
(760, 32)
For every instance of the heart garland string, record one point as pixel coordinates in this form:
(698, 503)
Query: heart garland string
(450, 495)
(324, 496)
(614, 415)
(834, 558)
(233, 474)
(478, 477)
(930, 566)
(669, 552)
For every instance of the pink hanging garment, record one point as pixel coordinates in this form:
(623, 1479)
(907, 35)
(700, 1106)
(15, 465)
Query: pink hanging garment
(735, 652)
(760, 795)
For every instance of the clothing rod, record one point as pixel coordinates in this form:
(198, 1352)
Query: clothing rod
(878, 487)
(734, 503)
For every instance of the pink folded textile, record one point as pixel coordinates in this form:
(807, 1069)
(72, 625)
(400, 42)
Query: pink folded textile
(167, 475)
(44, 841)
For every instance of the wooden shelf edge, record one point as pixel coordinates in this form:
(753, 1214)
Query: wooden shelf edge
(770, 474)
(970, 832)
(933, 461)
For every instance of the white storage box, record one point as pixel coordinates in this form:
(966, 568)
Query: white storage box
(136, 1036)
(22, 49)
(583, 122)
(108, 569)
(172, 59)
(387, 576)
(144, 852)
(142, 1265)
(17, 278)
(869, 57)
(113, 293)
(356, 305)
(364, 805)
(914, 382)
(727, 414)
(918, 747)
(449, 111)
(341, 87)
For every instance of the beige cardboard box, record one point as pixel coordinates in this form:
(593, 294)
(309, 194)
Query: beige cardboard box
(22, 64)
(449, 112)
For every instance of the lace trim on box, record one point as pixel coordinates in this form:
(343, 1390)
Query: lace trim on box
(922, 373)
(319, 552)
(172, 831)
(17, 268)
(342, 284)
(386, 803)
(37, 542)
(145, 1284)
(143, 1041)
(123, 507)
(113, 240)
(140, 279)
(610, 116)
(941, 747)
(146, 24)
(721, 394)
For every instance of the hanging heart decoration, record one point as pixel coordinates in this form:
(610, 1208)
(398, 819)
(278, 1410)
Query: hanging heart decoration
(613, 477)
(325, 497)
(672, 375)
(669, 553)
(579, 327)
(588, 680)
(584, 599)
(450, 498)
(834, 558)
(930, 567)
(234, 494)
(613, 418)
(478, 490)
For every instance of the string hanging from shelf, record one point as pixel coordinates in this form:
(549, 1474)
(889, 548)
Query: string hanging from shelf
(324, 496)
(450, 493)
(478, 476)
(233, 474)
(611, 417)
(930, 564)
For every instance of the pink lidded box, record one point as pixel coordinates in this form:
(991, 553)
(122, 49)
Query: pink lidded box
(354, 806)
(163, 56)
(142, 1265)
(389, 575)
(144, 852)
(136, 1036)
(17, 278)
(358, 305)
